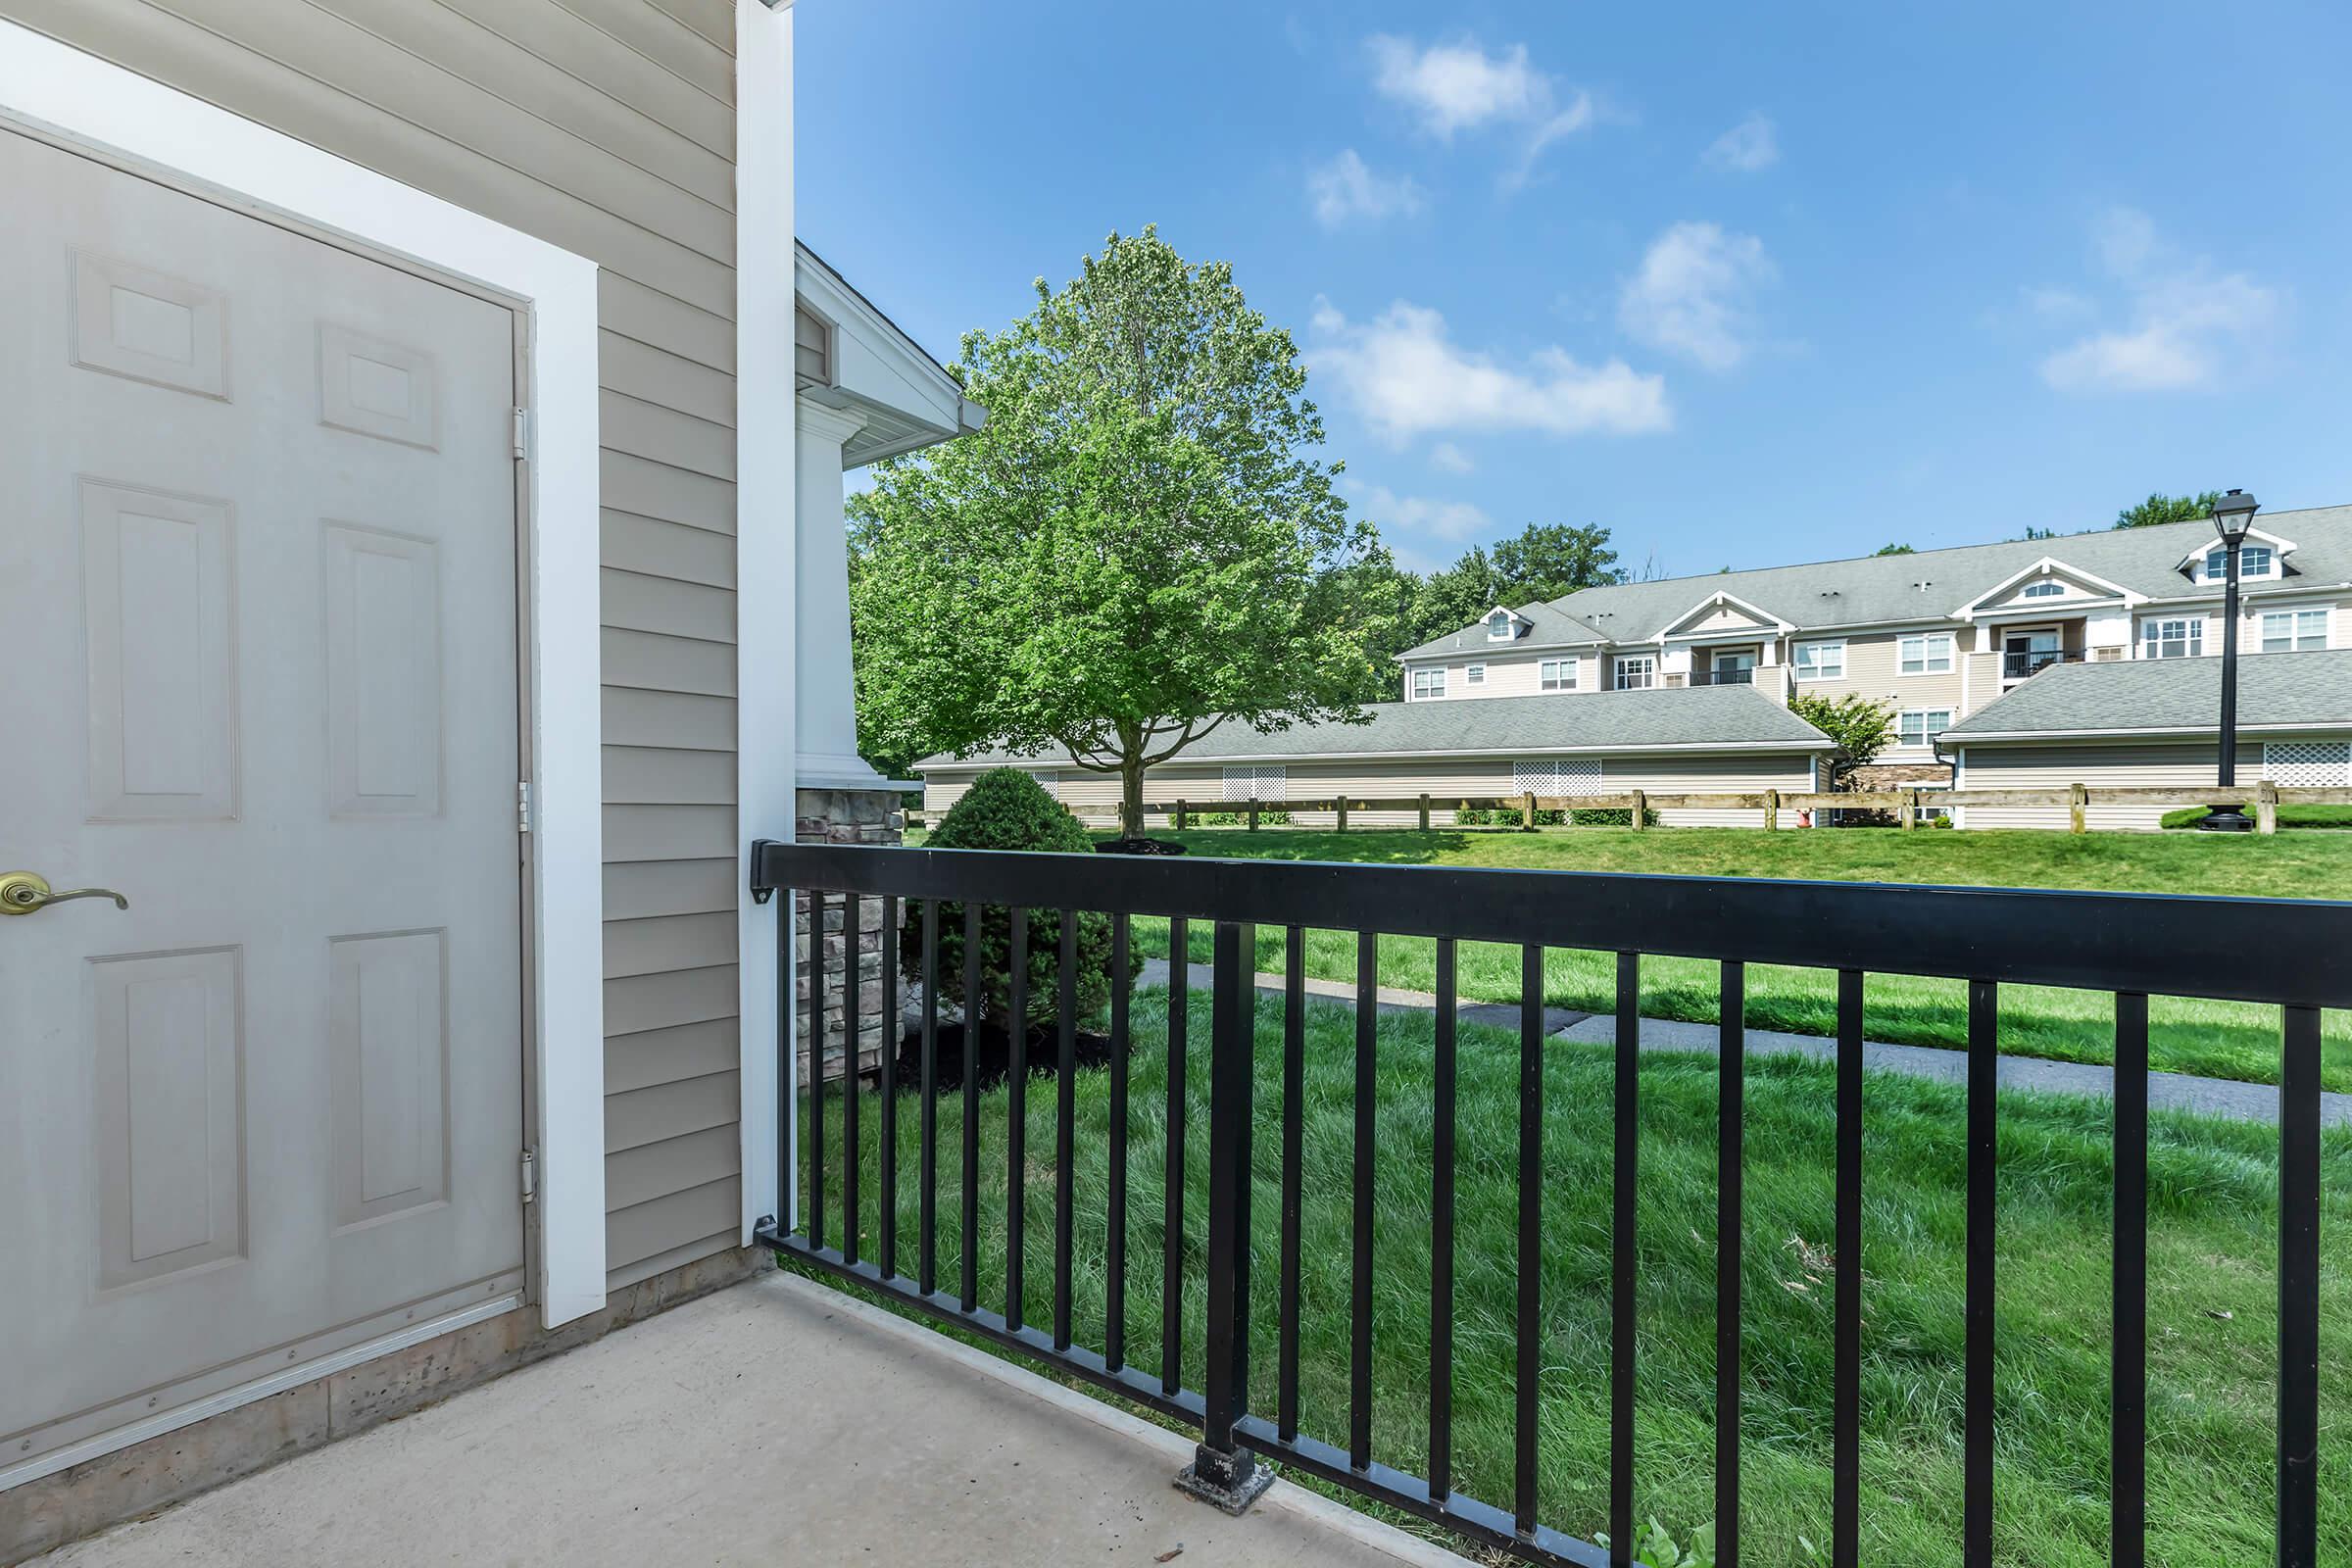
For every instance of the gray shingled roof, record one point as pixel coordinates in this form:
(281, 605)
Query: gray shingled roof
(1886, 588)
(2171, 693)
(1548, 627)
(1695, 716)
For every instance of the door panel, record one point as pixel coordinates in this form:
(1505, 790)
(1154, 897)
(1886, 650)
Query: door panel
(259, 565)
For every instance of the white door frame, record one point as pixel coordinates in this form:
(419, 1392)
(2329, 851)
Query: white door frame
(91, 100)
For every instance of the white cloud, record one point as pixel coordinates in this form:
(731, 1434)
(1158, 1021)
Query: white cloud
(1746, 147)
(1458, 87)
(1346, 188)
(1452, 520)
(1692, 293)
(2185, 319)
(1453, 459)
(1408, 378)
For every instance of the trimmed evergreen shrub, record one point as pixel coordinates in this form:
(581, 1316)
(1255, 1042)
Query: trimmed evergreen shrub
(1222, 818)
(1494, 816)
(1612, 816)
(1007, 809)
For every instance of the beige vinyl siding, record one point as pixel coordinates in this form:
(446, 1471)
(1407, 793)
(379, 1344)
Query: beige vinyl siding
(1445, 780)
(604, 126)
(1872, 668)
(1509, 674)
(2175, 764)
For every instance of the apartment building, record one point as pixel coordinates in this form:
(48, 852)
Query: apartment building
(1936, 635)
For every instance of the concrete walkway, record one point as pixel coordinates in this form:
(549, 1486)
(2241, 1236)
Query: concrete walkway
(777, 1423)
(2167, 1090)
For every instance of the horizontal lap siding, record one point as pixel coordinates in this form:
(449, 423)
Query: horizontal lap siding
(605, 126)
(1874, 670)
(2056, 766)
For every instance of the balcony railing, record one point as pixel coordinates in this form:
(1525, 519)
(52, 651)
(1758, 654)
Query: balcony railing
(2017, 664)
(1723, 678)
(2282, 954)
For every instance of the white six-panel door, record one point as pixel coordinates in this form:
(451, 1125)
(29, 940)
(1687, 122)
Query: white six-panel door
(258, 622)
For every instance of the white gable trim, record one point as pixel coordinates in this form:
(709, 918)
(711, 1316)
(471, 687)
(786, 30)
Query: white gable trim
(1716, 601)
(2048, 567)
(93, 100)
(2284, 547)
(870, 361)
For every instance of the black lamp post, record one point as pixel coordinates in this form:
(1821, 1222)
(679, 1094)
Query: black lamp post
(2233, 516)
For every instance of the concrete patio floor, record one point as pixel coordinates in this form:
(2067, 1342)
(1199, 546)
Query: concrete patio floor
(776, 1423)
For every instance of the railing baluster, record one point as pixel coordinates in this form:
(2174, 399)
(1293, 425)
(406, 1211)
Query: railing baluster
(2128, 1389)
(1016, 1121)
(1441, 1226)
(853, 909)
(2299, 1289)
(1731, 1128)
(927, 1114)
(1065, 1125)
(1114, 1261)
(1171, 1300)
(788, 1071)
(887, 1172)
(1845, 1393)
(1172, 1239)
(1984, 1082)
(1229, 1068)
(1530, 1327)
(1293, 1124)
(1367, 1088)
(1624, 1255)
(816, 1069)
(974, 1012)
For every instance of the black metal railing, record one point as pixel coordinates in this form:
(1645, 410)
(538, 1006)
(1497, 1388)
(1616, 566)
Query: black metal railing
(2019, 662)
(1723, 678)
(2293, 954)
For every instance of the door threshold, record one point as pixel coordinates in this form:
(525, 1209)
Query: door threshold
(113, 1438)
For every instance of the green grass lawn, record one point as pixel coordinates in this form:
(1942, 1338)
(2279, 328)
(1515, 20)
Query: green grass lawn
(2211, 1307)
(2223, 1040)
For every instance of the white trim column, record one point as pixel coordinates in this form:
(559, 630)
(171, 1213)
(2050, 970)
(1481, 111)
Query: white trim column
(826, 754)
(765, 566)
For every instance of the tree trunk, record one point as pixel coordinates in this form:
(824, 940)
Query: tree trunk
(1131, 796)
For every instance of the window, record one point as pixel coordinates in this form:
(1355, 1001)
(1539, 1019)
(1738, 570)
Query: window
(1498, 626)
(1926, 654)
(2253, 560)
(1047, 780)
(1428, 683)
(1557, 674)
(1261, 783)
(1475, 675)
(2046, 588)
(2308, 765)
(1821, 660)
(1919, 727)
(1636, 672)
(2286, 631)
(1561, 775)
(2180, 638)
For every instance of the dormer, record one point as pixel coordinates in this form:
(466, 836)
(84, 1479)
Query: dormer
(2263, 557)
(1504, 625)
(2049, 584)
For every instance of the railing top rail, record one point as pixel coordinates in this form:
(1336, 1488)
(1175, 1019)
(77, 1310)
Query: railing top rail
(2230, 948)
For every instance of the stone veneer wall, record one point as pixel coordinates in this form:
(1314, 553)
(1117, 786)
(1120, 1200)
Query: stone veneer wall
(847, 816)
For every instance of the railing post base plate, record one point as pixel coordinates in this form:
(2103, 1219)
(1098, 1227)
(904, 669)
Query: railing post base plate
(1231, 1482)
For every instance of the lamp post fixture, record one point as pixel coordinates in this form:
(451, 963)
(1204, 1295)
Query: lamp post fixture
(2232, 517)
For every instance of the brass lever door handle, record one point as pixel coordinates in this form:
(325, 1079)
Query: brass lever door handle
(25, 892)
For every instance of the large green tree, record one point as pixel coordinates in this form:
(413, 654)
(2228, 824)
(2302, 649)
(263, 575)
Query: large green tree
(1543, 560)
(2161, 508)
(1143, 545)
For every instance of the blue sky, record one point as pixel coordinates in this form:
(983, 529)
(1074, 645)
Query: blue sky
(1744, 284)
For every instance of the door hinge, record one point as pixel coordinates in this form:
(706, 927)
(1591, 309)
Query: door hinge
(522, 806)
(530, 1175)
(523, 432)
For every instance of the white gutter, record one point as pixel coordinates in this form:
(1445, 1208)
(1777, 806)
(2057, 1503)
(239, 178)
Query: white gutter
(1619, 749)
(2189, 732)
